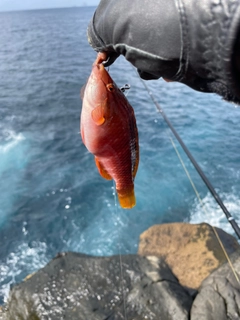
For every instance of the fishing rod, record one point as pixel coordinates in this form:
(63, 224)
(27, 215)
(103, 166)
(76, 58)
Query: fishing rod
(229, 217)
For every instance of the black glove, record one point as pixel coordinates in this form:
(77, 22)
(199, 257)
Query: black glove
(195, 42)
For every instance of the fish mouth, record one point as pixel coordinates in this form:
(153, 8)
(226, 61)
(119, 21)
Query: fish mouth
(97, 71)
(100, 67)
(106, 79)
(100, 73)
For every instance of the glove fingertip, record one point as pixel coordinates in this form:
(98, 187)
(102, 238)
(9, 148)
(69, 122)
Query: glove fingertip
(147, 76)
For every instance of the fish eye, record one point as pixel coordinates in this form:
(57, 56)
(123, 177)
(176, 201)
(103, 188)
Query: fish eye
(110, 87)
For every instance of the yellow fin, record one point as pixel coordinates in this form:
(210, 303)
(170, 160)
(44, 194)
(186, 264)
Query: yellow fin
(98, 115)
(127, 201)
(103, 172)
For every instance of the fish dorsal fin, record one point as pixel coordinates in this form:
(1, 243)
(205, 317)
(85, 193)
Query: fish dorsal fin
(99, 113)
(134, 149)
(103, 172)
(135, 154)
(135, 167)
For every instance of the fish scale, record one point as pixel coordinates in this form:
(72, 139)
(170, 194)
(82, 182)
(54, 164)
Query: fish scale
(109, 131)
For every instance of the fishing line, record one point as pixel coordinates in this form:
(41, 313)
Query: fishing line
(120, 255)
(229, 217)
(124, 88)
(204, 178)
(205, 210)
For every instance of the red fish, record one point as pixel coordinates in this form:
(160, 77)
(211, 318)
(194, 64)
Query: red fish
(109, 131)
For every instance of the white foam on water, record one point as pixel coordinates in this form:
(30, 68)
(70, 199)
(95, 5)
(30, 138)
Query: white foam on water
(11, 139)
(215, 216)
(14, 156)
(24, 260)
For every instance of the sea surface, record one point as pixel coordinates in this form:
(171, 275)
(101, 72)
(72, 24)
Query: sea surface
(52, 196)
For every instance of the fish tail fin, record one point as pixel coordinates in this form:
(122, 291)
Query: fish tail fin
(128, 200)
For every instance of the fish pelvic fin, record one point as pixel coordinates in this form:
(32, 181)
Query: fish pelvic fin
(128, 200)
(103, 172)
(82, 134)
(82, 91)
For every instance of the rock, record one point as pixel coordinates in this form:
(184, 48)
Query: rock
(80, 287)
(219, 295)
(191, 251)
(1, 313)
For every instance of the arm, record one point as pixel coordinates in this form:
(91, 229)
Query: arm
(193, 42)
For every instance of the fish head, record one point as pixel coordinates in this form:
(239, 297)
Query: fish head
(103, 81)
(100, 80)
(100, 92)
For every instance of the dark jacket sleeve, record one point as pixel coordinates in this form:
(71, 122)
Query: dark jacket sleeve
(193, 42)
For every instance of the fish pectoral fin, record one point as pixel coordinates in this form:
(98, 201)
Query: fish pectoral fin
(128, 200)
(98, 115)
(103, 172)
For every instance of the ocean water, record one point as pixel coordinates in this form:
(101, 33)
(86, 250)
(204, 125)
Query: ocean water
(52, 197)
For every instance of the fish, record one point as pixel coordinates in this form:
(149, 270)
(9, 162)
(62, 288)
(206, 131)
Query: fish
(109, 131)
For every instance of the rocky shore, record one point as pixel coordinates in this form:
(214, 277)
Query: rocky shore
(179, 273)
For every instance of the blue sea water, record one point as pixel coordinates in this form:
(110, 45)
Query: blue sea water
(52, 197)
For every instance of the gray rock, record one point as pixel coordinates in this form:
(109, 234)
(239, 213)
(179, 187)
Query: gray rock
(1, 313)
(219, 295)
(75, 286)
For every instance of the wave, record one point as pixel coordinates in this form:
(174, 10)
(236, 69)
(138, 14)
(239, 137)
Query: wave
(215, 215)
(24, 260)
(10, 140)
(14, 155)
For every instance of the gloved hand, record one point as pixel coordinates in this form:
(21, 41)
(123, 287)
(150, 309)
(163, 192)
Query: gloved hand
(195, 42)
